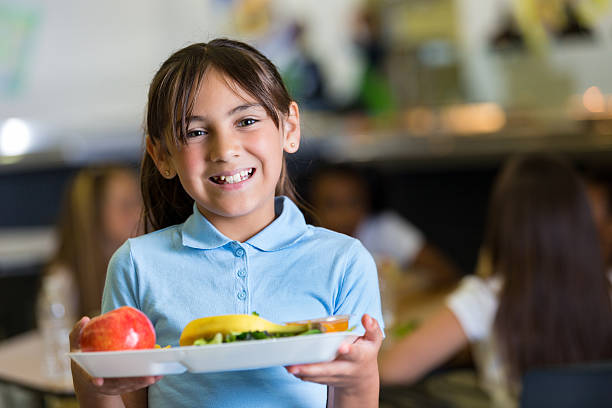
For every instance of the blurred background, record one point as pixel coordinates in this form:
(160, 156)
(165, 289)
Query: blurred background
(430, 94)
(426, 97)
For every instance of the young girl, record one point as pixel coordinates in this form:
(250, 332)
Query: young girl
(229, 239)
(101, 209)
(548, 301)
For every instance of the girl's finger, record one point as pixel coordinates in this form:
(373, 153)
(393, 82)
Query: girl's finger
(332, 381)
(115, 386)
(344, 348)
(361, 349)
(334, 368)
(75, 333)
(372, 330)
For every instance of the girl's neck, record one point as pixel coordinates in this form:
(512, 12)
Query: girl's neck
(243, 227)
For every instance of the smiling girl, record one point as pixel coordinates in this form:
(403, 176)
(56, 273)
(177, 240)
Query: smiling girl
(229, 239)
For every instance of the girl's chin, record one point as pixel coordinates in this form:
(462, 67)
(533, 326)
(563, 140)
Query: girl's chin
(233, 210)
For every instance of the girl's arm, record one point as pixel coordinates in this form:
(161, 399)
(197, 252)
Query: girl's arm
(136, 399)
(429, 346)
(106, 392)
(439, 268)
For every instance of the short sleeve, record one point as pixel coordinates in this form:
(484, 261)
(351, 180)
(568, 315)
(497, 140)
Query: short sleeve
(121, 286)
(390, 235)
(358, 292)
(474, 303)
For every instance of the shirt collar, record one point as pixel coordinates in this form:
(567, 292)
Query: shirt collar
(286, 229)
(199, 233)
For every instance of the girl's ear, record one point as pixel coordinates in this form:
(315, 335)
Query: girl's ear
(291, 127)
(160, 158)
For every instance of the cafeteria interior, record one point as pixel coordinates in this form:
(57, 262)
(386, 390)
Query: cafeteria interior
(416, 117)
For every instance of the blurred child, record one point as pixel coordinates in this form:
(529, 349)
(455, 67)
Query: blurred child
(101, 210)
(342, 201)
(547, 301)
(599, 190)
(229, 239)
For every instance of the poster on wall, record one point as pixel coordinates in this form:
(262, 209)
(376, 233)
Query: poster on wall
(17, 34)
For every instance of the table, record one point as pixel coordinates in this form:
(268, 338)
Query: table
(454, 383)
(409, 296)
(23, 381)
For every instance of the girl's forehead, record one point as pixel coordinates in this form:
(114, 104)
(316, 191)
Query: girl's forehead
(213, 78)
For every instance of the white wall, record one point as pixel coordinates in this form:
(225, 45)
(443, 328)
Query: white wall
(580, 64)
(91, 62)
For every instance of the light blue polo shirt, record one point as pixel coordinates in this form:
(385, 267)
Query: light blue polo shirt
(288, 271)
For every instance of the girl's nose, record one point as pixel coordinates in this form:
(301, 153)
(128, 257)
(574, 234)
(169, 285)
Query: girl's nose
(223, 147)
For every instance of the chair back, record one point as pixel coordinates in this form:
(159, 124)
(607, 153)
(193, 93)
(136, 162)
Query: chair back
(581, 385)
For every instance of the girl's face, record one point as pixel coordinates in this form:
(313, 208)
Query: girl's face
(233, 157)
(121, 208)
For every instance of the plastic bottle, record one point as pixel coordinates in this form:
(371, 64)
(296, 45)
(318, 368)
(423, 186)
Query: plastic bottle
(55, 318)
(388, 272)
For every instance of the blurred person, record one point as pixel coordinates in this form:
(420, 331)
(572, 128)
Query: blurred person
(547, 302)
(101, 210)
(343, 201)
(599, 190)
(302, 73)
(375, 96)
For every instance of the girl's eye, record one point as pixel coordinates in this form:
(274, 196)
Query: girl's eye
(247, 122)
(195, 133)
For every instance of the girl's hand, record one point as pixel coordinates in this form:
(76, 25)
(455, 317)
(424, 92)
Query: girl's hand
(86, 385)
(354, 372)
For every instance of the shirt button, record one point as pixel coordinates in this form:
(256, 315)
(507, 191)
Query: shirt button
(239, 252)
(242, 273)
(242, 295)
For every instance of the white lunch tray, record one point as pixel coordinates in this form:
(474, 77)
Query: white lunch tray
(241, 355)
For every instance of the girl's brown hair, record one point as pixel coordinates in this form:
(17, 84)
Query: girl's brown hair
(171, 98)
(555, 304)
(81, 242)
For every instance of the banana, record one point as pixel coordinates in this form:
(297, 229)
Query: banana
(207, 327)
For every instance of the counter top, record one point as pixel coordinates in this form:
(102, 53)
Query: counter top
(21, 364)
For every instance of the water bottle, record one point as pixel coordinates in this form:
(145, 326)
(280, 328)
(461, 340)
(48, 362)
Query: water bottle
(388, 272)
(55, 318)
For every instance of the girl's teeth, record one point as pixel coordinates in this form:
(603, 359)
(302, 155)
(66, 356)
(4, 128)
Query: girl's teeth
(238, 177)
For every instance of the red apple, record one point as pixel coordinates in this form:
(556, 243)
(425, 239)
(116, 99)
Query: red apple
(124, 328)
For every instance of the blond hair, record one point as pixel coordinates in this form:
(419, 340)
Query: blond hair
(81, 234)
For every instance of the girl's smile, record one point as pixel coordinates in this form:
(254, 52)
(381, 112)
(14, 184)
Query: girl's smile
(237, 177)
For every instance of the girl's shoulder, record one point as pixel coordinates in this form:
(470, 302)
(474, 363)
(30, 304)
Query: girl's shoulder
(474, 285)
(324, 234)
(474, 303)
(332, 240)
(163, 238)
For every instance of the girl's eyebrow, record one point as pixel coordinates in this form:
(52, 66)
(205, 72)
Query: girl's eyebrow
(195, 118)
(243, 107)
(199, 118)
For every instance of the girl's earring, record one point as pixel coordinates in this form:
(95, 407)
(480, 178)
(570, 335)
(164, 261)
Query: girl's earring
(292, 145)
(167, 173)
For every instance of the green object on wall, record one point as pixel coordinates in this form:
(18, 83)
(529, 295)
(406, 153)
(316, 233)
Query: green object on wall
(376, 94)
(17, 28)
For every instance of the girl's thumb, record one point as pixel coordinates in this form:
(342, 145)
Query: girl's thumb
(75, 333)
(372, 329)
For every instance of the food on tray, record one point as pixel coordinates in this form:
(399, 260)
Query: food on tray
(239, 327)
(125, 328)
